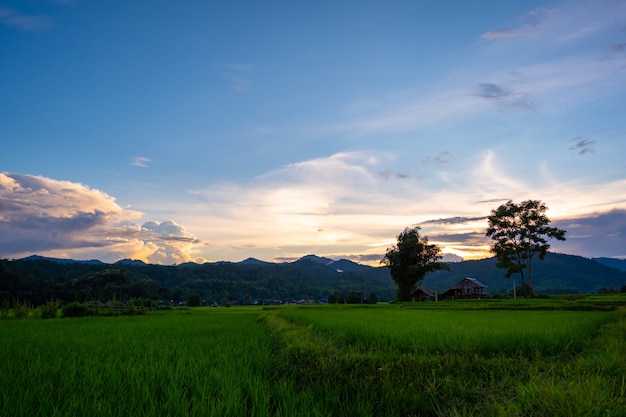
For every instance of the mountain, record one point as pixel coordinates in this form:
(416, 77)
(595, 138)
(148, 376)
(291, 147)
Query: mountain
(345, 265)
(253, 261)
(612, 262)
(61, 261)
(556, 274)
(129, 262)
(39, 279)
(316, 259)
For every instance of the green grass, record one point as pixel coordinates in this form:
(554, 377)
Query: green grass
(486, 332)
(203, 363)
(458, 362)
(384, 360)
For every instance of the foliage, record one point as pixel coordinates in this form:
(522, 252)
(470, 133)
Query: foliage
(410, 259)
(39, 281)
(520, 231)
(193, 300)
(49, 310)
(21, 309)
(75, 309)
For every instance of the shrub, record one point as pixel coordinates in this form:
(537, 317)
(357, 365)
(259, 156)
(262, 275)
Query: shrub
(49, 310)
(75, 310)
(193, 300)
(5, 307)
(20, 309)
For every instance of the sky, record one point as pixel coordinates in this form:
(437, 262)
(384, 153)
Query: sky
(179, 131)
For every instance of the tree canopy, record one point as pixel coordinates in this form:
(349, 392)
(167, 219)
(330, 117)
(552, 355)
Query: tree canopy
(519, 232)
(410, 259)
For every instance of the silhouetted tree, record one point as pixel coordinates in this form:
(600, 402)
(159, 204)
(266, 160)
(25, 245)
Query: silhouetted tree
(410, 260)
(520, 231)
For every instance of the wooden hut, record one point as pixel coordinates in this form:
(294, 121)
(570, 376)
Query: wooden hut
(422, 294)
(467, 288)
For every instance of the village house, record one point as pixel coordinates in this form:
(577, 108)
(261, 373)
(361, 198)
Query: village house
(422, 294)
(466, 288)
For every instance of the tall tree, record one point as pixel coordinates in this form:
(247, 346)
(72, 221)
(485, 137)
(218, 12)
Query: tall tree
(519, 232)
(410, 259)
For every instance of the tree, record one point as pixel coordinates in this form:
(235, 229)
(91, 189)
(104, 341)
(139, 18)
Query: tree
(520, 231)
(410, 260)
(193, 300)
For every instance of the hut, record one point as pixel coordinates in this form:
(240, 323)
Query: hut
(422, 294)
(467, 288)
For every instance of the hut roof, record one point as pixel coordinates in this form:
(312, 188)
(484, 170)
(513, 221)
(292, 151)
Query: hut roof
(469, 282)
(423, 291)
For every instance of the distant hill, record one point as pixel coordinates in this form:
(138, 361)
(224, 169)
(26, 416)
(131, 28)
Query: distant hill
(39, 279)
(129, 262)
(62, 261)
(253, 261)
(556, 274)
(612, 262)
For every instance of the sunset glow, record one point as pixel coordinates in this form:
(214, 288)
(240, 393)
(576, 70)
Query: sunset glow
(322, 128)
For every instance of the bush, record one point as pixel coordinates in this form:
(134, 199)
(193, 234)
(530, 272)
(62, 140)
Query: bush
(5, 308)
(20, 310)
(49, 310)
(75, 310)
(193, 300)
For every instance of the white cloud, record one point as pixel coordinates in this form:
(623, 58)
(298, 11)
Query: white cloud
(54, 217)
(30, 23)
(532, 24)
(341, 204)
(141, 161)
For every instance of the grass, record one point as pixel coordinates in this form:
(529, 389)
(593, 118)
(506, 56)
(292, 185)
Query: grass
(171, 364)
(438, 331)
(458, 362)
(385, 360)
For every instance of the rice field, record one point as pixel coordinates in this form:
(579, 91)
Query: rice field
(317, 361)
(487, 332)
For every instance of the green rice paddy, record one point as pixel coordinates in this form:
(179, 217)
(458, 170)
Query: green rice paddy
(317, 361)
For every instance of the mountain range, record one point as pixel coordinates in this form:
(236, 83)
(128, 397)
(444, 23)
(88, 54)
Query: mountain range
(39, 278)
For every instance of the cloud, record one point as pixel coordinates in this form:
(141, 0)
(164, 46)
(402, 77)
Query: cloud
(599, 234)
(532, 24)
(233, 72)
(550, 86)
(141, 161)
(618, 47)
(389, 174)
(309, 206)
(491, 91)
(240, 84)
(454, 220)
(583, 146)
(342, 204)
(63, 218)
(504, 97)
(441, 159)
(29, 23)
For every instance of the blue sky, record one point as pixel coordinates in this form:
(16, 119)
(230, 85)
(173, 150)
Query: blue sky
(174, 131)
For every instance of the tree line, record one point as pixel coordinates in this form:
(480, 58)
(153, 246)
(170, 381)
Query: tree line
(39, 281)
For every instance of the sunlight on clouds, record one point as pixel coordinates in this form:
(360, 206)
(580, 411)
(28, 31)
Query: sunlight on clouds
(302, 204)
(54, 217)
(339, 205)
